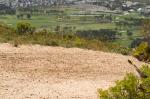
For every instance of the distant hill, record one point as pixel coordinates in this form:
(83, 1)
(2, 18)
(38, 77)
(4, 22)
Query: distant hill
(29, 3)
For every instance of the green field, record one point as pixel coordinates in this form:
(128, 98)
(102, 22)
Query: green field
(79, 21)
(51, 21)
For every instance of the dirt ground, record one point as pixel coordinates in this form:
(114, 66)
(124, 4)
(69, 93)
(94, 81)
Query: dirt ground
(41, 72)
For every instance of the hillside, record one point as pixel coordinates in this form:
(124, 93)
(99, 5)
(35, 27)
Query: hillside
(40, 72)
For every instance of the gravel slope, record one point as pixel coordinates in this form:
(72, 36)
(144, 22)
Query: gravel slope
(41, 72)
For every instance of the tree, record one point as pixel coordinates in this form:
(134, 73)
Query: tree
(129, 33)
(24, 28)
(28, 16)
(21, 16)
(18, 16)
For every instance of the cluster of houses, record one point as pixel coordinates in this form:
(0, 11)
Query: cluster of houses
(30, 3)
(136, 6)
(123, 5)
(146, 11)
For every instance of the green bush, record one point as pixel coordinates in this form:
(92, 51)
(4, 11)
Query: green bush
(123, 50)
(142, 52)
(131, 87)
(25, 28)
(52, 43)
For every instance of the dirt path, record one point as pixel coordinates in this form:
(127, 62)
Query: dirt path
(38, 72)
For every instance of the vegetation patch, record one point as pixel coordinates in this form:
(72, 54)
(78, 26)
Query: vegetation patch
(131, 87)
(25, 33)
(142, 52)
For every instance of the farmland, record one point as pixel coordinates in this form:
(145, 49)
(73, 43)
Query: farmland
(51, 21)
(79, 22)
(63, 18)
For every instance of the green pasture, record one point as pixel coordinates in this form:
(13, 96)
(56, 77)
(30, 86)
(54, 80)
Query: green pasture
(81, 22)
(51, 21)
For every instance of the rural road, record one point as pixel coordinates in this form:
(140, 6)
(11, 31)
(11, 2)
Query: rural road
(42, 72)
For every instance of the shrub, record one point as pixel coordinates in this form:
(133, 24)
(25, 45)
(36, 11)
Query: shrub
(57, 29)
(24, 28)
(131, 87)
(102, 34)
(123, 50)
(52, 43)
(142, 52)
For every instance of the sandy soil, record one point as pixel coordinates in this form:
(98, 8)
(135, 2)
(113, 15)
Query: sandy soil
(38, 72)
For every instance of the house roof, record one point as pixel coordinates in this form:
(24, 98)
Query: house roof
(147, 7)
